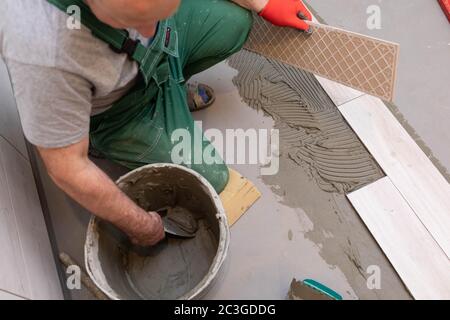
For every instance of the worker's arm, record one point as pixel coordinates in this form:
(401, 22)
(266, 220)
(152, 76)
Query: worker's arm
(283, 13)
(71, 169)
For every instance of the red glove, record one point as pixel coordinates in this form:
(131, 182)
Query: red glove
(287, 13)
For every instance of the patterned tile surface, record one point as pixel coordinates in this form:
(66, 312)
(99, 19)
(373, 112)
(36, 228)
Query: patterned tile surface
(364, 63)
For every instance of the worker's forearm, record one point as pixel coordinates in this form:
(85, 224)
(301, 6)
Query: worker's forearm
(254, 5)
(95, 191)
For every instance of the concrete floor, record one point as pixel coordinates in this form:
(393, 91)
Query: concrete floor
(276, 240)
(279, 239)
(423, 32)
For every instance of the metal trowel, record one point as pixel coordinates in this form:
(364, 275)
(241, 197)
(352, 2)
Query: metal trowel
(171, 228)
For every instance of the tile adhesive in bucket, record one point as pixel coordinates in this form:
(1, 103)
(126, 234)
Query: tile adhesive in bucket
(175, 268)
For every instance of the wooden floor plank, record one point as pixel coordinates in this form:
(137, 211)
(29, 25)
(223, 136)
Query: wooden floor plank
(413, 174)
(415, 255)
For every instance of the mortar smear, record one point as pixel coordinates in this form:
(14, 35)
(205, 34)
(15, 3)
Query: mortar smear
(312, 130)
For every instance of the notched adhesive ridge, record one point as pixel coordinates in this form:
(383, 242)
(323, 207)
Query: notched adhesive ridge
(312, 130)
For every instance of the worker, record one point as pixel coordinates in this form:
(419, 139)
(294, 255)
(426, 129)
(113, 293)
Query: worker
(116, 85)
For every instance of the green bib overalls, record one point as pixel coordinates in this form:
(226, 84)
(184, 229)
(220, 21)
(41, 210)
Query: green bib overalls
(137, 130)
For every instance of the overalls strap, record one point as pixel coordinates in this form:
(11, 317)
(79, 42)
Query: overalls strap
(138, 129)
(165, 40)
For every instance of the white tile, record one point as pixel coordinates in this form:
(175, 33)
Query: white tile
(337, 92)
(411, 171)
(10, 127)
(13, 276)
(41, 277)
(412, 250)
(8, 296)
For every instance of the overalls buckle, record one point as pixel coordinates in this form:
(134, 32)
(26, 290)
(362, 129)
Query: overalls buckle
(128, 46)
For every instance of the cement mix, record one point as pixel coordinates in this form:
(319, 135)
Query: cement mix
(312, 130)
(176, 266)
(303, 226)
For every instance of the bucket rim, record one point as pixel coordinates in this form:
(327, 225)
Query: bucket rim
(91, 248)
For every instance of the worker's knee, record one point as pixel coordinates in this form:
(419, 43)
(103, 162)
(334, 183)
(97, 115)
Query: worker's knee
(217, 175)
(236, 24)
(238, 20)
(220, 179)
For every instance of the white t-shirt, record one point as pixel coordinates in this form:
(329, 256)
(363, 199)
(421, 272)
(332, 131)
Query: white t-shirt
(60, 76)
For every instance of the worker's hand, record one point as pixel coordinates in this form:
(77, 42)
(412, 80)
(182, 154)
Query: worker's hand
(150, 231)
(287, 13)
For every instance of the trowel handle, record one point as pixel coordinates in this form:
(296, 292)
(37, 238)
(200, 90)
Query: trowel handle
(322, 289)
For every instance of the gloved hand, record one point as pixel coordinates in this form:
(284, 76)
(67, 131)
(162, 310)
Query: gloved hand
(287, 13)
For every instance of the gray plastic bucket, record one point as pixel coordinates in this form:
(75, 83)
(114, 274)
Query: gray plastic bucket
(107, 263)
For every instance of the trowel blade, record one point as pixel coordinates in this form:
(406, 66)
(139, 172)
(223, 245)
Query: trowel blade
(173, 229)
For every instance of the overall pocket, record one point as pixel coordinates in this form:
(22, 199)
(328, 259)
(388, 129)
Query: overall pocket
(127, 132)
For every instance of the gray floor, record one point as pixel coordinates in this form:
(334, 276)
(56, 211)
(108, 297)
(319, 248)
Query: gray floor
(423, 32)
(275, 241)
(319, 236)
